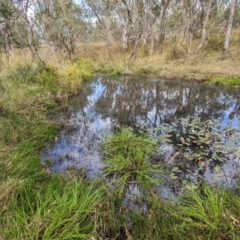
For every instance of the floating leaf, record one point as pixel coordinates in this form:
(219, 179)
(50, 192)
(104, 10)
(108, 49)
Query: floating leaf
(172, 176)
(217, 169)
(203, 163)
(184, 182)
(175, 169)
(191, 187)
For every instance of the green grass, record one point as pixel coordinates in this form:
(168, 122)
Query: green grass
(54, 209)
(116, 72)
(128, 158)
(225, 81)
(207, 213)
(35, 204)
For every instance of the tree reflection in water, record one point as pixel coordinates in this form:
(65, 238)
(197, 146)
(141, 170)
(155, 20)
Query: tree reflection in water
(106, 102)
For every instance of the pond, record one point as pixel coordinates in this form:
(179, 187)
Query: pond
(106, 103)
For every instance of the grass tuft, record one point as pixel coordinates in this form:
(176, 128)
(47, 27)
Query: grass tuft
(207, 212)
(56, 209)
(128, 159)
(225, 81)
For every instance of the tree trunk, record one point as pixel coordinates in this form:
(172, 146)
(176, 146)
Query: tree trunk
(229, 26)
(165, 4)
(137, 41)
(189, 14)
(204, 28)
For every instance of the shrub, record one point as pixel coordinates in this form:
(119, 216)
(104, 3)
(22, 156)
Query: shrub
(80, 70)
(25, 73)
(175, 51)
(48, 78)
(116, 72)
(215, 42)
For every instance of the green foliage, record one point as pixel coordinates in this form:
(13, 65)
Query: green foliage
(225, 81)
(25, 73)
(56, 209)
(201, 144)
(80, 70)
(205, 213)
(6, 10)
(141, 71)
(116, 72)
(128, 158)
(48, 77)
(215, 42)
(175, 51)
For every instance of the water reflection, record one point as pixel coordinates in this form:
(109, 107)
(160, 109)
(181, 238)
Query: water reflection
(107, 102)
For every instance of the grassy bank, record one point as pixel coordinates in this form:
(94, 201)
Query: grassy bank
(210, 64)
(35, 204)
(38, 204)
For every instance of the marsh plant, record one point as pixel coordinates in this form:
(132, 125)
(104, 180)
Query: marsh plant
(200, 145)
(128, 159)
(58, 209)
(205, 213)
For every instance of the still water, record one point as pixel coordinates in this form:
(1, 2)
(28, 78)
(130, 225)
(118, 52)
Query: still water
(108, 102)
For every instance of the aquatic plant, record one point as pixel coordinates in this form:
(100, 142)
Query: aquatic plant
(128, 159)
(206, 213)
(201, 145)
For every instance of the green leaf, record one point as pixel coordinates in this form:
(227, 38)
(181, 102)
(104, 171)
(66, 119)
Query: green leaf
(182, 139)
(191, 187)
(217, 168)
(175, 169)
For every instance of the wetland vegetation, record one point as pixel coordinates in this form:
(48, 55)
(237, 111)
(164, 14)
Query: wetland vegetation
(156, 161)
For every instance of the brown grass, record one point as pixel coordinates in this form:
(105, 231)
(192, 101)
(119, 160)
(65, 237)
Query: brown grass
(207, 64)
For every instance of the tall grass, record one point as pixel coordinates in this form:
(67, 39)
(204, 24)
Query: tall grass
(55, 209)
(128, 159)
(36, 204)
(206, 213)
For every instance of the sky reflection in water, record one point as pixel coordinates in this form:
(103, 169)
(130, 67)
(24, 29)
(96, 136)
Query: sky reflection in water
(106, 101)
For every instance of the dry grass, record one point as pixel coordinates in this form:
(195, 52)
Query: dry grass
(173, 63)
(207, 64)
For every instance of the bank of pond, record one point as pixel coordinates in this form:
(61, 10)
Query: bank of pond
(135, 158)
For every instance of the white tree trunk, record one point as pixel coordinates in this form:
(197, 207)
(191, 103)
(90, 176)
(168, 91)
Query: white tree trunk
(165, 4)
(229, 26)
(204, 28)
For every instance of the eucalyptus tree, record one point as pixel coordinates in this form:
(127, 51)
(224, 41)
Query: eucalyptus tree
(207, 12)
(62, 23)
(102, 12)
(8, 16)
(164, 8)
(190, 14)
(229, 26)
(29, 36)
